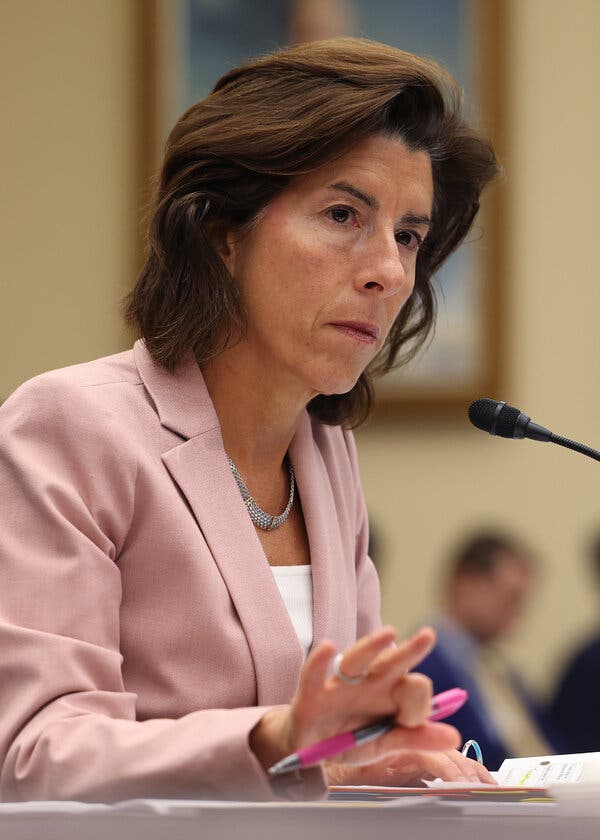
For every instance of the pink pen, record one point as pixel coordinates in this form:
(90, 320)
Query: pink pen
(442, 706)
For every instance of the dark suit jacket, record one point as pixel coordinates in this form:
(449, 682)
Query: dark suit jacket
(448, 669)
(574, 709)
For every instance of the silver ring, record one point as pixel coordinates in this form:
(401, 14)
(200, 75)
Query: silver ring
(337, 661)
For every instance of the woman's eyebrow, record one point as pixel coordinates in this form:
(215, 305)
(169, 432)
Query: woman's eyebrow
(370, 201)
(366, 198)
(415, 219)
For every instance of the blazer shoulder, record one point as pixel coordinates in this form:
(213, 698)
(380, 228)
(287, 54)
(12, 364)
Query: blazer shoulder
(77, 399)
(119, 367)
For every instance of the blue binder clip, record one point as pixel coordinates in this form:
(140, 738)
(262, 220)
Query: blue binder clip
(476, 749)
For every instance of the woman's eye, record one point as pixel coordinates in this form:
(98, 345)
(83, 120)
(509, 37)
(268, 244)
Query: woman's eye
(409, 239)
(341, 214)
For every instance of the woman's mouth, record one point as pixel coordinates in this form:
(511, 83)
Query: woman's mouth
(358, 330)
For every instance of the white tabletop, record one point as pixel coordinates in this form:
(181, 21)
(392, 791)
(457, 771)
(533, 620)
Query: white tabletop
(190, 820)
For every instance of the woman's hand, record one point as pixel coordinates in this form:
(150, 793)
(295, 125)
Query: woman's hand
(410, 768)
(325, 705)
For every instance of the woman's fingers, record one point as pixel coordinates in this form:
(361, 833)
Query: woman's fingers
(357, 659)
(412, 698)
(374, 656)
(448, 765)
(430, 736)
(429, 766)
(406, 655)
(409, 768)
(471, 769)
(316, 669)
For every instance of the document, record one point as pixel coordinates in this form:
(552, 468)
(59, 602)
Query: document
(544, 771)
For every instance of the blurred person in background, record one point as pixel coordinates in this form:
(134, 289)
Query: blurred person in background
(184, 536)
(486, 589)
(575, 706)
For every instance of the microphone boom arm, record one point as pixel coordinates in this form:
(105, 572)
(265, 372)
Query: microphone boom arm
(576, 447)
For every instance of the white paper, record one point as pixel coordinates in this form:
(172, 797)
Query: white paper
(540, 771)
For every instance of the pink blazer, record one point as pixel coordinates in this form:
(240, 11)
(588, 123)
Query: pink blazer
(142, 634)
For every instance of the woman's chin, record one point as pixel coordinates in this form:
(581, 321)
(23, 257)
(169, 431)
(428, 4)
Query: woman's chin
(337, 386)
(331, 379)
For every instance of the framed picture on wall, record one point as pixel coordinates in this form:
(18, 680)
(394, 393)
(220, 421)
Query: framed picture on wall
(193, 42)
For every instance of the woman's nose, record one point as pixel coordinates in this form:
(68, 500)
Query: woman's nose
(384, 273)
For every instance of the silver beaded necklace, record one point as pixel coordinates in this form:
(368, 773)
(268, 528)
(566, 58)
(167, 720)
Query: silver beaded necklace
(261, 518)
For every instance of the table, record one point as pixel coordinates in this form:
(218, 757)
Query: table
(183, 820)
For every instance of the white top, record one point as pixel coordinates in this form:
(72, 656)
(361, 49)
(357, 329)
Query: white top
(295, 586)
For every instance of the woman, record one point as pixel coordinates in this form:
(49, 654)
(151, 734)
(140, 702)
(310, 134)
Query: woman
(160, 504)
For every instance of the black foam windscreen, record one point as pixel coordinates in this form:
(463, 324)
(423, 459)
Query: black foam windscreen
(494, 417)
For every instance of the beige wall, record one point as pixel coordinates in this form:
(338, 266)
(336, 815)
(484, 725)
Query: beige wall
(69, 85)
(68, 251)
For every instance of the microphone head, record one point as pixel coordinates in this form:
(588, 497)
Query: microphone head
(495, 417)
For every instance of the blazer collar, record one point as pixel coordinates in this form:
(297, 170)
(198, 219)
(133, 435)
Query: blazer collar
(181, 398)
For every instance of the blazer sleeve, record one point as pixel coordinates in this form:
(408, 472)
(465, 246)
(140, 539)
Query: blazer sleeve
(68, 727)
(368, 616)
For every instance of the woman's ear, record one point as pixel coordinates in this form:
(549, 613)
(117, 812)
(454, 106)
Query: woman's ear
(223, 241)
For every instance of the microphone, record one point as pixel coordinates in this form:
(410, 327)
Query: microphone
(499, 418)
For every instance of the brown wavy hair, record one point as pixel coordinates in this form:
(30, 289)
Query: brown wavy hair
(265, 122)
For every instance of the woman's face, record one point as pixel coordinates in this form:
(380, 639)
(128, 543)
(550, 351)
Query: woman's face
(330, 262)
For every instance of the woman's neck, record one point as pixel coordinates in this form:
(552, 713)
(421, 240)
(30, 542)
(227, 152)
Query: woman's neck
(258, 411)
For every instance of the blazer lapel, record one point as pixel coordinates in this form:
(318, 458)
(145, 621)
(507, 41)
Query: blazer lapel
(200, 469)
(334, 583)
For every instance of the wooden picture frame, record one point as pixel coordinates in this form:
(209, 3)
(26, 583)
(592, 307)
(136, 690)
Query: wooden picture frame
(464, 359)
